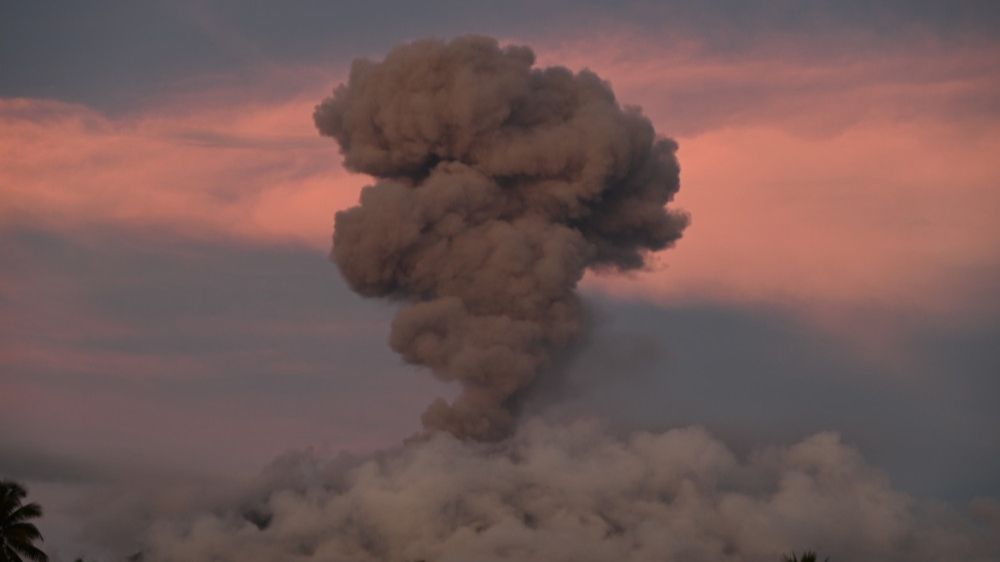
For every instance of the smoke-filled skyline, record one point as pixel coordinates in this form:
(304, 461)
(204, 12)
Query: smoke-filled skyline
(500, 184)
(169, 322)
(575, 493)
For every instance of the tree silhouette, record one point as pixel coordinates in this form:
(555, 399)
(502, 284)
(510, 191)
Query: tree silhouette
(807, 556)
(17, 534)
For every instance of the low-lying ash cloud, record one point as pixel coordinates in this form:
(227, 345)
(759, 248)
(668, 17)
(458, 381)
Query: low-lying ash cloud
(498, 185)
(561, 493)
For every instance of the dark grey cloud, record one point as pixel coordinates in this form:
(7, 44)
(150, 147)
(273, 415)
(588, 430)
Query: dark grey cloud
(179, 335)
(760, 375)
(145, 371)
(27, 462)
(754, 376)
(113, 55)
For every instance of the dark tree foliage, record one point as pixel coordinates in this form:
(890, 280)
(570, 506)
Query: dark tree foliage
(17, 533)
(807, 556)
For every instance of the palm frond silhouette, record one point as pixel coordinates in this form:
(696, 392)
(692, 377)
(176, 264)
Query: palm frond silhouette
(17, 533)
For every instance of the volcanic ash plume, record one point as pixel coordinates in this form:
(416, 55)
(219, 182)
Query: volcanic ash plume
(498, 185)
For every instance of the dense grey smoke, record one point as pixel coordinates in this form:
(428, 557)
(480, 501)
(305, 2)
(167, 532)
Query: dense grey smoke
(499, 185)
(574, 493)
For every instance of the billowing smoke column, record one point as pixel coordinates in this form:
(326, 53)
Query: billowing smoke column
(499, 184)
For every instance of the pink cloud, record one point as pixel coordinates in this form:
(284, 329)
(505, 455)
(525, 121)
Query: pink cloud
(858, 177)
(819, 177)
(256, 171)
(878, 211)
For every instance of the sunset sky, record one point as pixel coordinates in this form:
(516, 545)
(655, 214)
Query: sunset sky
(168, 313)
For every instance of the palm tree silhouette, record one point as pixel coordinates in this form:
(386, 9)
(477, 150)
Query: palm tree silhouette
(17, 535)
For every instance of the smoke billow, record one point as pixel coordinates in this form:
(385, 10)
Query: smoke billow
(499, 184)
(575, 493)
